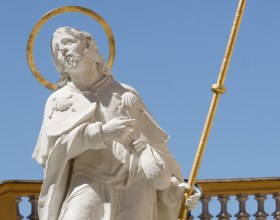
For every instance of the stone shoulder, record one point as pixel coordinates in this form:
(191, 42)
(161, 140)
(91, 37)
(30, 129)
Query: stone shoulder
(130, 89)
(56, 94)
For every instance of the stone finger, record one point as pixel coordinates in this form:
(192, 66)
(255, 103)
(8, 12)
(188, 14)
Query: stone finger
(128, 121)
(121, 118)
(121, 127)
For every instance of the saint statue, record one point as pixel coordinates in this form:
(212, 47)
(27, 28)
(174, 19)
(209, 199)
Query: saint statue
(104, 156)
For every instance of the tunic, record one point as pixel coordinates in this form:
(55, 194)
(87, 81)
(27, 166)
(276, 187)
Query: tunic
(87, 178)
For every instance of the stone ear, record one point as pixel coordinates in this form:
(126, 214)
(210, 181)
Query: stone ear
(88, 41)
(55, 49)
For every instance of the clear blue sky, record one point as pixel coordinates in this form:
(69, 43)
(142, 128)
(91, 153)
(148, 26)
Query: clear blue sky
(171, 52)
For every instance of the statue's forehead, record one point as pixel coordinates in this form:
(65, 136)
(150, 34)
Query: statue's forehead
(63, 35)
(63, 38)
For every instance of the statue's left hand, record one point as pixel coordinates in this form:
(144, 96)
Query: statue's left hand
(192, 202)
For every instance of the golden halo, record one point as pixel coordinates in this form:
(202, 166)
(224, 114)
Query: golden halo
(49, 15)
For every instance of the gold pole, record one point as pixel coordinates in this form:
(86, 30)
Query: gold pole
(218, 89)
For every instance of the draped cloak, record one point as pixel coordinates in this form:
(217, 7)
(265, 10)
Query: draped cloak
(72, 126)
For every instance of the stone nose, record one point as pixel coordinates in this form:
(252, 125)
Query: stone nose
(64, 49)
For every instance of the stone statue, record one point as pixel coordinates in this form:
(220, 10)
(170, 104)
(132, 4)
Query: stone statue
(104, 156)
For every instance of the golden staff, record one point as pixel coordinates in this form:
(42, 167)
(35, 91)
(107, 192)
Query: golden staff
(217, 89)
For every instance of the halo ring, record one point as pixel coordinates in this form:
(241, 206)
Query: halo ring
(51, 14)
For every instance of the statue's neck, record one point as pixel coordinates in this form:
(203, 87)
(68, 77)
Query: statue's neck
(85, 81)
(88, 85)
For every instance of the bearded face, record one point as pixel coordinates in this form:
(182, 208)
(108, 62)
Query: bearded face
(71, 60)
(68, 51)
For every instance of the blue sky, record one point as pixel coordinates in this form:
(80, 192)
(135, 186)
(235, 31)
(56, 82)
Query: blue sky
(171, 52)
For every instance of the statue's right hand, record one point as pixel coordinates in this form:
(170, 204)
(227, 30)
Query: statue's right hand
(118, 129)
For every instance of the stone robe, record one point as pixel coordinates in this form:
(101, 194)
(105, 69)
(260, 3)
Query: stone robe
(89, 179)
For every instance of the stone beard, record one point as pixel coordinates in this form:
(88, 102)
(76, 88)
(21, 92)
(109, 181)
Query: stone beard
(103, 154)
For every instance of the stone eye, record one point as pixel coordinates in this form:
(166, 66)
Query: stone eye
(67, 41)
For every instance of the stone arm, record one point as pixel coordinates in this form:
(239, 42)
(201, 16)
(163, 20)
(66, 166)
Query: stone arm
(87, 136)
(80, 139)
(92, 136)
